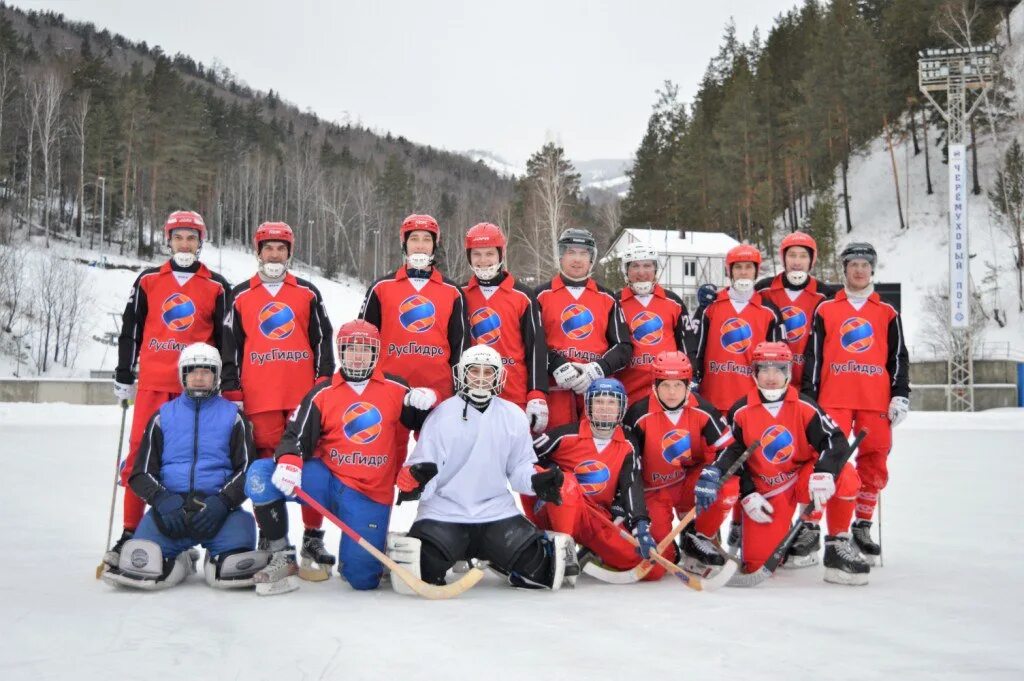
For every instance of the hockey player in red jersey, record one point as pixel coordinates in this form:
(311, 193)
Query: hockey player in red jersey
(601, 466)
(339, 447)
(802, 458)
(586, 334)
(503, 314)
(795, 294)
(858, 368)
(281, 342)
(656, 318)
(170, 307)
(678, 432)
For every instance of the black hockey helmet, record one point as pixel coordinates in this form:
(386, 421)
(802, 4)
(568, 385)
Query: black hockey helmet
(859, 250)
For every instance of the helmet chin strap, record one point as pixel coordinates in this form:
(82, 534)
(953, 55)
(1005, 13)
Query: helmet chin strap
(185, 260)
(487, 273)
(273, 271)
(773, 394)
(796, 277)
(642, 288)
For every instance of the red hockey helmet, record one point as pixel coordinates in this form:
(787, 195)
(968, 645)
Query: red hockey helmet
(357, 332)
(672, 365)
(485, 235)
(798, 239)
(274, 231)
(742, 253)
(420, 222)
(772, 352)
(185, 219)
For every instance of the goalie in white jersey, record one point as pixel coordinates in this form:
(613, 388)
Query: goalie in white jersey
(472, 447)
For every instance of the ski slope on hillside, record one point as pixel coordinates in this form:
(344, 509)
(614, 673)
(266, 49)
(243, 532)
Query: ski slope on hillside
(946, 604)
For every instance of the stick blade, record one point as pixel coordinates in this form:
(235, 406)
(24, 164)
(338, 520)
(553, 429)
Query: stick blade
(604, 574)
(435, 592)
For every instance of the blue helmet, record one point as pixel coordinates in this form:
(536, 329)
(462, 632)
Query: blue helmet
(605, 387)
(706, 294)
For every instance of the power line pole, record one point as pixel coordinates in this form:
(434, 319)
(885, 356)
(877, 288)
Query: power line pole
(955, 71)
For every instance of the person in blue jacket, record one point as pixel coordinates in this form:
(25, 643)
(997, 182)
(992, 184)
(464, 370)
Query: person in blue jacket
(191, 471)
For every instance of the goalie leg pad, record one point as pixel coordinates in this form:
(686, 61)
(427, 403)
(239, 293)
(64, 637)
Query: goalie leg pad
(142, 566)
(234, 569)
(405, 551)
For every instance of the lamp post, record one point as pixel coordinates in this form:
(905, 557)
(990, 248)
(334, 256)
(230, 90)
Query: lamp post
(955, 72)
(103, 205)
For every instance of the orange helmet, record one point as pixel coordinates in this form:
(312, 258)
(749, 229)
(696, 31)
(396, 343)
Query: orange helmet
(798, 239)
(772, 352)
(417, 222)
(185, 219)
(274, 231)
(485, 235)
(672, 365)
(741, 253)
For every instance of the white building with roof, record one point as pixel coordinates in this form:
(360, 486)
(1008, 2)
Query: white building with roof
(688, 259)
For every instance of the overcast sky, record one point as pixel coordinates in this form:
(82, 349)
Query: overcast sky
(503, 77)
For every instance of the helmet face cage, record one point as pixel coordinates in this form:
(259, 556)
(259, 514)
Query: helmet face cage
(475, 385)
(351, 368)
(782, 365)
(602, 422)
(199, 393)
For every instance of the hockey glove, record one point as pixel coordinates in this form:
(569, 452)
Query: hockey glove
(420, 398)
(411, 480)
(208, 521)
(822, 487)
(647, 545)
(547, 485)
(708, 485)
(566, 375)
(898, 408)
(537, 413)
(124, 391)
(757, 507)
(169, 509)
(288, 474)
(588, 374)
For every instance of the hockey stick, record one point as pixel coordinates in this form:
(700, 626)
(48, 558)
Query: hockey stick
(881, 553)
(113, 493)
(641, 570)
(748, 579)
(431, 591)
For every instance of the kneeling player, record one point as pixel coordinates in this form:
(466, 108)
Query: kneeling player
(191, 471)
(471, 448)
(677, 432)
(602, 473)
(339, 447)
(801, 459)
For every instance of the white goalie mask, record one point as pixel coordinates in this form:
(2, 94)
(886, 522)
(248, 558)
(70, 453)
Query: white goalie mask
(479, 375)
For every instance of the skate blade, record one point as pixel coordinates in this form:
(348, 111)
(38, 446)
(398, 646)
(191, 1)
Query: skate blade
(311, 571)
(461, 567)
(836, 576)
(797, 562)
(695, 567)
(282, 586)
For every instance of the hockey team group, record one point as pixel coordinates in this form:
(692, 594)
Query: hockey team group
(630, 429)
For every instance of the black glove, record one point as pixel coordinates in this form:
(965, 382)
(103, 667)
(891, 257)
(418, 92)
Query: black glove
(421, 474)
(169, 514)
(547, 485)
(210, 518)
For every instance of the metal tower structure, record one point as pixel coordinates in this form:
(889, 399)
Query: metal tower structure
(956, 72)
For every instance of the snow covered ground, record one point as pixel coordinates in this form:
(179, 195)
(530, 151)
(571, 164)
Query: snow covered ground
(947, 604)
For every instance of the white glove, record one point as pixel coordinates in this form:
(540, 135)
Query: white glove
(537, 414)
(124, 391)
(898, 408)
(588, 374)
(822, 487)
(286, 477)
(757, 507)
(420, 398)
(566, 375)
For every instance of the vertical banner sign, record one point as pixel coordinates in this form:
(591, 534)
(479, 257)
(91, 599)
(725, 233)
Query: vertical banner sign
(959, 297)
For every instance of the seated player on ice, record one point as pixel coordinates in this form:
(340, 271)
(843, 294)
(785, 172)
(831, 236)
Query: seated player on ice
(339, 448)
(802, 458)
(677, 432)
(191, 471)
(471, 449)
(602, 477)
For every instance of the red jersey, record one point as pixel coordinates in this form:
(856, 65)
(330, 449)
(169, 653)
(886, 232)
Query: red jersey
(507, 318)
(673, 442)
(606, 476)
(726, 343)
(793, 432)
(353, 433)
(422, 330)
(584, 328)
(282, 342)
(168, 310)
(857, 358)
(796, 313)
(655, 326)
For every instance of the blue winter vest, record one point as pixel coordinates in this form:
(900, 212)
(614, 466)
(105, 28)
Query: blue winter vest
(197, 448)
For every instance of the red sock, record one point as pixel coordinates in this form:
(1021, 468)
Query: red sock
(311, 518)
(134, 508)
